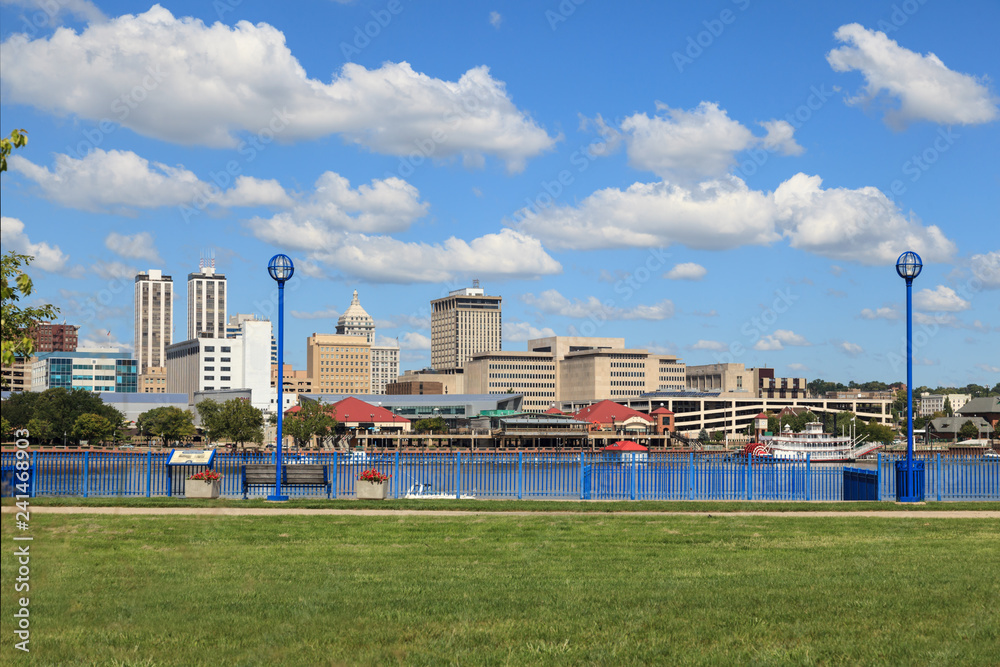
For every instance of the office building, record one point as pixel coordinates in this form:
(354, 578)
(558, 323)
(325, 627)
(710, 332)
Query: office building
(234, 330)
(464, 323)
(385, 367)
(154, 313)
(224, 364)
(98, 370)
(339, 364)
(573, 368)
(932, 403)
(49, 337)
(153, 381)
(356, 321)
(736, 378)
(206, 303)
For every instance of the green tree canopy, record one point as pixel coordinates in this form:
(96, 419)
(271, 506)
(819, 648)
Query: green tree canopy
(15, 321)
(211, 423)
(90, 426)
(877, 432)
(241, 422)
(59, 408)
(167, 423)
(311, 419)
(968, 430)
(431, 425)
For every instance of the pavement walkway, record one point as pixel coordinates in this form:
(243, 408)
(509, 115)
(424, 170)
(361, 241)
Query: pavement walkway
(288, 511)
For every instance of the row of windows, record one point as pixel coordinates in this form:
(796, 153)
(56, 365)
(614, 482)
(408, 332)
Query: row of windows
(522, 367)
(627, 374)
(222, 378)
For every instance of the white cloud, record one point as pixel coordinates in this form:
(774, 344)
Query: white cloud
(123, 178)
(851, 349)
(987, 268)
(383, 259)
(795, 366)
(47, 257)
(196, 84)
(861, 225)
(554, 303)
(781, 138)
(922, 86)
(779, 339)
(496, 19)
(940, 299)
(136, 246)
(988, 368)
(713, 345)
(114, 270)
(685, 145)
(686, 271)
(883, 313)
(388, 205)
(322, 314)
(940, 319)
(82, 10)
(522, 331)
(103, 338)
(412, 340)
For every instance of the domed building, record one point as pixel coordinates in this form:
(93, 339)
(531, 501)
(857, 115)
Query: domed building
(356, 321)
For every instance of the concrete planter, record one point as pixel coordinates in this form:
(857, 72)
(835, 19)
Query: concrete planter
(196, 488)
(371, 490)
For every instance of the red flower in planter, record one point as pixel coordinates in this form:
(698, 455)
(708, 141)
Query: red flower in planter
(373, 476)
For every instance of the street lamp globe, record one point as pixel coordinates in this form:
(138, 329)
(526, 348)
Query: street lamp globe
(281, 268)
(908, 265)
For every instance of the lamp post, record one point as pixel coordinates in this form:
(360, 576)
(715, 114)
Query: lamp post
(909, 473)
(280, 269)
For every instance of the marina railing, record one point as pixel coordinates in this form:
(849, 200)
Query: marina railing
(516, 475)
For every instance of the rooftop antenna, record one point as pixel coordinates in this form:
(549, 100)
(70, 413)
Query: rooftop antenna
(475, 282)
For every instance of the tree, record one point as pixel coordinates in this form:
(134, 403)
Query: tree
(211, 424)
(17, 139)
(878, 432)
(968, 430)
(431, 425)
(5, 428)
(241, 422)
(702, 435)
(15, 321)
(40, 430)
(718, 436)
(61, 408)
(947, 407)
(311, 419)
(168, 423)
(93, 427)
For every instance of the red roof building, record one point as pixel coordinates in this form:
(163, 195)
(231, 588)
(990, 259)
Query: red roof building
(626, 446)
(355, 413)
(608, 415)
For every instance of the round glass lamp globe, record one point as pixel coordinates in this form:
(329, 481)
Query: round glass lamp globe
(909, 265)
(281, 268)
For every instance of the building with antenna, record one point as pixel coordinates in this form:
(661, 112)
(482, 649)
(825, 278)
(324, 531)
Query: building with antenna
(206, 302)
(464, 323)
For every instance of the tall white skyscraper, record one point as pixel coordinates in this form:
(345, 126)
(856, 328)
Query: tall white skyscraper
(154, 314)
(206, 303)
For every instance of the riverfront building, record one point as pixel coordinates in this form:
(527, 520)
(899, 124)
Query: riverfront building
(736, 378)
(384, 358)
(339, 363)
(93, 369)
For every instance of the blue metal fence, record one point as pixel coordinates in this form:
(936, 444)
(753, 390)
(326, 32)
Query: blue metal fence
(663, 476)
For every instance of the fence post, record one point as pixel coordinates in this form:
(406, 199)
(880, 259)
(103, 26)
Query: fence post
(333, 486)
(86, 473)
(938, 484)
(395, 475)
(808, 477)
(520, 473)
(458, 475)
(878, 476)
(34, 474)
(748, 476)
(635, 470)
(149, 472)
(691, 475)
(581, 474)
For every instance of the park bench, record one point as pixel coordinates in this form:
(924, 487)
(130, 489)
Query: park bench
(262, 474)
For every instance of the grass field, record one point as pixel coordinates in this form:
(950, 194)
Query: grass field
(577, 589)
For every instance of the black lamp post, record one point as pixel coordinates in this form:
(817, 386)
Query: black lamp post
(280, 269)
(909, 473)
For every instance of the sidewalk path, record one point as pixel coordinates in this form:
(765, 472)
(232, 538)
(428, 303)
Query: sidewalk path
(279, 511)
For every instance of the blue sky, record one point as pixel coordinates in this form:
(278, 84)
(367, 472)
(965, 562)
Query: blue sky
(724, 181)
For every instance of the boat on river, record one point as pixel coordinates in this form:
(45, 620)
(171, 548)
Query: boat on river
(818, 446)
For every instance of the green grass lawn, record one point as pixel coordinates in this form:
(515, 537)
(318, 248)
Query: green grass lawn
(514, 589)
(600, 506)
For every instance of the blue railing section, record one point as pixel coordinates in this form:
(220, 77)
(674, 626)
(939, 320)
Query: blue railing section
(516, 475)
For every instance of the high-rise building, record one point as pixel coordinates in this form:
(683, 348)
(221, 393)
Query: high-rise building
(206, 303)
(464, 323)
(356, 321)
(53, 337)
(235, 329)
(385, 366)
(154, 314)
(339, 364)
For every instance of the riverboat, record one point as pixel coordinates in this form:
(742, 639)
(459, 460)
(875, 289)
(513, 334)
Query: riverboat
(818, 446)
